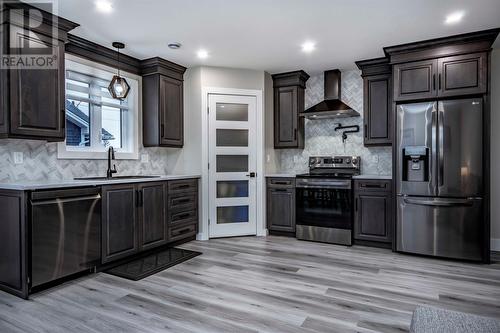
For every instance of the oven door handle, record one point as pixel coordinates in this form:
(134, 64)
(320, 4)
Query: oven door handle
(330, 186)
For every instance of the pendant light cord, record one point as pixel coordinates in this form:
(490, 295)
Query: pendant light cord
(118, 61)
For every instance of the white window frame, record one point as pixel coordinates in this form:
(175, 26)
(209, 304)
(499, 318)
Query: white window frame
(130, 129)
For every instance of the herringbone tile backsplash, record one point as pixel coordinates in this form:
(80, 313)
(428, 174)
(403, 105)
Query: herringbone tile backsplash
(41, 163)
(321, 138)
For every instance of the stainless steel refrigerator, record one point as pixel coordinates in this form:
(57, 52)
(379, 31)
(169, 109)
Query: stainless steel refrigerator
(440, 179)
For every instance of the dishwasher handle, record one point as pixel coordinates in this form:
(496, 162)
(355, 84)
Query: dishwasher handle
(65, 200)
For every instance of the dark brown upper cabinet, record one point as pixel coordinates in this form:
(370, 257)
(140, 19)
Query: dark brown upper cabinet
(444, 67)
(463, 74)
(377, 101)
(33, 99)
(289, 90)
(415, 80)
(163, 109)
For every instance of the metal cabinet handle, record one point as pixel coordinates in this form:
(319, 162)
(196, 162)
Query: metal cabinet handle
(183, 200)
(162, 130)
(366, 131)
(439, 81)
(279, 190)
(295, 134)
(433, 81)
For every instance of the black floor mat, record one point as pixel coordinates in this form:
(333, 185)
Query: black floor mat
(143, 267)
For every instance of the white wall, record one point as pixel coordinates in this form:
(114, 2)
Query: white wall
(495, 149)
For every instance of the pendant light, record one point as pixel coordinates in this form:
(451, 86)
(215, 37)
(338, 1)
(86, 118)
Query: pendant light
(118, 87)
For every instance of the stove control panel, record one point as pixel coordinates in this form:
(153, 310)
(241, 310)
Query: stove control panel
(335, 162)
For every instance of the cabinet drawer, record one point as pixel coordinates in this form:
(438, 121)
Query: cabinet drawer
(183, 202)
(373, 185)
(281, 182)
(183, 217)
(182, 232)
(182, 186)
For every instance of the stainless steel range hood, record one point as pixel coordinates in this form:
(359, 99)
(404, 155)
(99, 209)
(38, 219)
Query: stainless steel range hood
(332, 106)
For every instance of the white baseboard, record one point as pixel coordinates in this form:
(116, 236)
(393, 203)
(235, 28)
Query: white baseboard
(495, 244)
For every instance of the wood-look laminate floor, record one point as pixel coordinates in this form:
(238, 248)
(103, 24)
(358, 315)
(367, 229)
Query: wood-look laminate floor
(257, 284)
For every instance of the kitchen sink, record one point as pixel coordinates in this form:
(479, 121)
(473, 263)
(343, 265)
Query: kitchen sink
(116, 177)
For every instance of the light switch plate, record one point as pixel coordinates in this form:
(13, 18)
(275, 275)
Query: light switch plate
(18, 157)
(144, 158)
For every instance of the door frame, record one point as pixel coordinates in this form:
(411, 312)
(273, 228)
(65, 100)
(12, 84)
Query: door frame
(260, 179)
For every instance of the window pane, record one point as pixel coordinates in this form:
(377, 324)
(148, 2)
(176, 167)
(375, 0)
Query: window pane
(232, 163)
(232, 214)
(232, 138)
(231, 111)
(77, 123)
(232, 189)
(111, 132)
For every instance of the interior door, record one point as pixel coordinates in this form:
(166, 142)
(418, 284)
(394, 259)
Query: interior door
(460, 142)
(232, 165)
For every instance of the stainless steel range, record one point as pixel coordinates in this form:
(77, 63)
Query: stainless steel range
(324, 202)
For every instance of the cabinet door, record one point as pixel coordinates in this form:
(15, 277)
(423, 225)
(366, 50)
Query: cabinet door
(151, 215)
(171, 112)
(462, 75)
(119, 222)
(372, 216)
(37, 105)
(415, 80)
(378, 104)
(286, 117)
(281, 209)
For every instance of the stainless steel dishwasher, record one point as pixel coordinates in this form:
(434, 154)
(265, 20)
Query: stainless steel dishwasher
(65, 233)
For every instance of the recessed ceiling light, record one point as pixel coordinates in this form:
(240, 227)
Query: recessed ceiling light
(175, 45)
(454, 17)
(104, 6)
(202, 54)
(308, 47)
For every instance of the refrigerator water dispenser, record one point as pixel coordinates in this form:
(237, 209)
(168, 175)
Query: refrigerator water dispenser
(415, 164)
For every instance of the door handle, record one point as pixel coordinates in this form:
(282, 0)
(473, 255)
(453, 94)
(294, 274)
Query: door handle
(441, 147)
(454, 203)
(252, 175)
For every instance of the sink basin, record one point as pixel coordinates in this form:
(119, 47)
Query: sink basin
(116, 177)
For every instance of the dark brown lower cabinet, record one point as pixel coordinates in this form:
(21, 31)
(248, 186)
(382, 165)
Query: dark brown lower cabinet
(182, 208)
(119, 222)
(281, 204)
(373, 211)
(151, 215)
(139, 217)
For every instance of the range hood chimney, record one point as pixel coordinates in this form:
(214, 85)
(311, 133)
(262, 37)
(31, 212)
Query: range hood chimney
(332, 106)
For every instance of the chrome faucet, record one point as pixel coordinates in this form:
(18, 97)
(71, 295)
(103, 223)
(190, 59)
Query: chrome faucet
(111, 156)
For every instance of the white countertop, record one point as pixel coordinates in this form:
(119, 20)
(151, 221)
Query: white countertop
(380, 177)
(280, 175)
(50, 184)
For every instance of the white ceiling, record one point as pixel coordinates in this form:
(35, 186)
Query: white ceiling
(267, 34)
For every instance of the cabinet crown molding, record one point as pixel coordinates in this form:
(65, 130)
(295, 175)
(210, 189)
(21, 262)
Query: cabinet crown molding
(46, 18)
(479, 41)
(295, 78)
(374, 66)
(157, 65)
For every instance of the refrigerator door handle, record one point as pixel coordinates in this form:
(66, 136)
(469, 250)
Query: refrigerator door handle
(434, 147)
(441, 146)
(439, 203)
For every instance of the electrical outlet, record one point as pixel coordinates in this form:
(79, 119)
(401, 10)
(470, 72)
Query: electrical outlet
(144, 158)
(18, 157)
